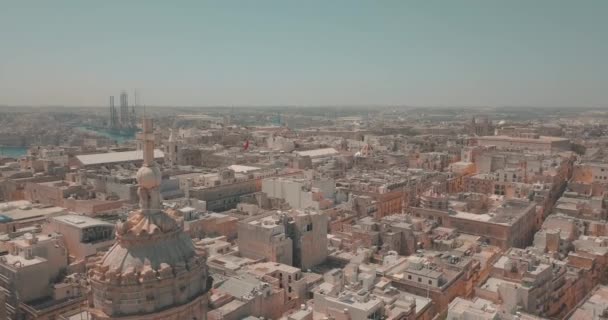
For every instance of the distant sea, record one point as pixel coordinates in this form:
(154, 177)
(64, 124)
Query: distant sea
(17, 152)
(119, 138)
(13, 152)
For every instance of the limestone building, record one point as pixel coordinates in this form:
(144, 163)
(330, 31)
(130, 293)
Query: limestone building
(528, 143)
(296, 238)
(32, 279)
(173, 150)
(265, 239)
(84, 236)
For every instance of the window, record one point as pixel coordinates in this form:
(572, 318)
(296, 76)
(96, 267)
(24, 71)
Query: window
(409, 277)
(430, 282)
(419, 279)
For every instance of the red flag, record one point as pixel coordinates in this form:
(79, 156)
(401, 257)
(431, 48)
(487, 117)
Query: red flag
(246, 145)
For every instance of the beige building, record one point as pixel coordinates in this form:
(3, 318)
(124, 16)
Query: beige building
(287, 277)
(478, 309)
(209, 224)
(265, 239)
(15, 215)
(301, 193)
(526, 281)
(32, 279)
(582, 206)
(52, 192)
(308, 230)
(506, 223)
(531, 143)
(240, 296)
(84, 236)
(296, 238)
(351, 305)
(223, 190)
(595, 306)
(590, 172)
(348, 294)
(217, 246)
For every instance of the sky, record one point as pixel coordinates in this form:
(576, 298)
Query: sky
(305, 53)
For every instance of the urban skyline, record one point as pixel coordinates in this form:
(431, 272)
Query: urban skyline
(304, 214)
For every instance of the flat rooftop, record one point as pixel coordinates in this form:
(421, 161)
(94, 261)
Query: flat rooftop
(317, 152)
(595, 305)
(510, 211)
(540, 139)
(479, 309)
(242, 169)
(19, 261)
(116, 157)
(348, 299)
(594, 164)
(507, 213)
(472, 216)
(590, 244)
(270, 267)
(62, 184)
(23, 210)
(242, 286)
(425, 272)
(80, 221)
(230, 262)
(492, 284)
(268, 222)
(421, 302)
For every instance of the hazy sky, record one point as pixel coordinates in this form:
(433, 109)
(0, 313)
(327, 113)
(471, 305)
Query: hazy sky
(326, 52)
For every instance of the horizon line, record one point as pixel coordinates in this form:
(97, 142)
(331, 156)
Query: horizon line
(309, 106)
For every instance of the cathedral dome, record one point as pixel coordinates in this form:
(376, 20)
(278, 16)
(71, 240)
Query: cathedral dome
(174, 251)
(149, 177)
(154, 270)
